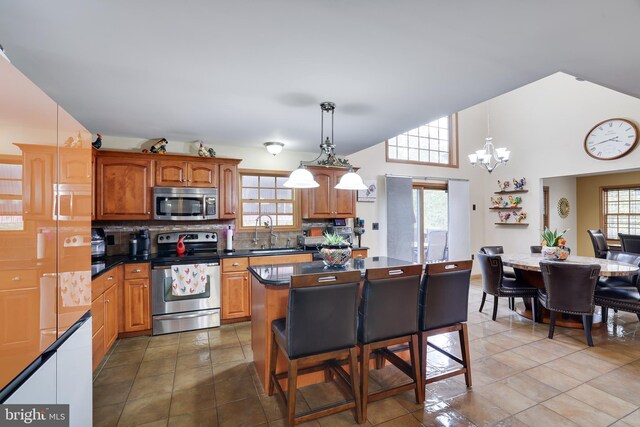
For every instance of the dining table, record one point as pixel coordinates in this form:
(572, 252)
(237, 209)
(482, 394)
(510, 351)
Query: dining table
(527, 269)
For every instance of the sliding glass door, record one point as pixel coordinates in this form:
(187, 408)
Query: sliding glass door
(431, 210)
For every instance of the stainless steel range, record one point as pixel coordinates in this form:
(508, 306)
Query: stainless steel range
(185, 289)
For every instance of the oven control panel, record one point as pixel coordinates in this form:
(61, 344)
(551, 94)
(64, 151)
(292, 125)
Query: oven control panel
(189, 236)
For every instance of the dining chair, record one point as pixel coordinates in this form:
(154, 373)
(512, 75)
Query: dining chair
(494, 283)
(621, 281)
(630, 243)
(321, 326)
(508, 272)
(619, 299)
(444, 306)
(535, 249)
(569, 288)
(388, 316)
(599, 242)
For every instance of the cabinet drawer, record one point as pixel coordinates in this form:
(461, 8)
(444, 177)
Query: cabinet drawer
(19, 279)
(280, 259)
(235, 264)
(359, 253)
(110, 278)
(136, 271)
(97, 286)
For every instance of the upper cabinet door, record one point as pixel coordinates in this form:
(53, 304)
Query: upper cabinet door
(28, 167)
(345, 200)
(320, 198)
(171, 173)
(124, 188)
(202, 174)
(228, 191)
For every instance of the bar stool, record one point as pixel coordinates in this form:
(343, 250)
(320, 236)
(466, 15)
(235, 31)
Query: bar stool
(321, 326)
(444, 300)
(388, 316)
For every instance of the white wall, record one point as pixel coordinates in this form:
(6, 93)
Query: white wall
(558, 188)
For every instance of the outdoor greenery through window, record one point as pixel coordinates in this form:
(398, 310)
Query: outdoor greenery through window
(621, 211)
(432, 143)
(264, 194)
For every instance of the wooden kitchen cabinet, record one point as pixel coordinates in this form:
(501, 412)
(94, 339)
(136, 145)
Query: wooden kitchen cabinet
(124, 187)
(228, 191)
(110, 316)
(280, 259)
(105, 312)
(235, 295)
(359, 253)
(137, 298)
(172, 173)
(325, 201)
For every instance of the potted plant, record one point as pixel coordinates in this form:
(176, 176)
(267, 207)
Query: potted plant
(336, 251)
(553, 245)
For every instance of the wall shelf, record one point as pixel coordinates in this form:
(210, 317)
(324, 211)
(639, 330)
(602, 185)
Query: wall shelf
(512, 223)
(506, 209)
(511, 192)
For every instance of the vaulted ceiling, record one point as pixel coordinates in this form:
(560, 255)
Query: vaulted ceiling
(245, 72)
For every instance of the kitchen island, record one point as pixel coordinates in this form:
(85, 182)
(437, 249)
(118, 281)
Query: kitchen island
(269, 298)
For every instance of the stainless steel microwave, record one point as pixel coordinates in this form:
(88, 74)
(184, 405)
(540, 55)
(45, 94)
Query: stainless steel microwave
(185, 204)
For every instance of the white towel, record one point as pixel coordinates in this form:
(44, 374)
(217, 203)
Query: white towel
(75, 287)
(188, 279)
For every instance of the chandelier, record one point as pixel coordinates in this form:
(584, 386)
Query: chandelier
(302, 178)
(489, 157)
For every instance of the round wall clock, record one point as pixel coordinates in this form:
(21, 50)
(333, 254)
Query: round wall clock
(611, 139)
(563, 207)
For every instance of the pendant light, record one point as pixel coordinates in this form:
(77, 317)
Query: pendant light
(302, 178)
(489, 157)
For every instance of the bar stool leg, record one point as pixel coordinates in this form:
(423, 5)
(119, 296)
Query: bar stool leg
(272, 364)
(355, 383)
(552, 323)
(422, 348)
(534, 315)
(495, 308)
(586, 324)
(484, 297)
(464, 349)
(292, 382)
(415, 364)
(365, 351)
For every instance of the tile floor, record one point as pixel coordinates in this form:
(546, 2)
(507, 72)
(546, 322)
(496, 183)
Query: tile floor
(520, 378)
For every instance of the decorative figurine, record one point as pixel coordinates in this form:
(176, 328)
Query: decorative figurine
(159, 147)
(497, 201)
(72, 142)
(519, 185)
(204, 151)
(98, 142)
(519, 216)
(504, 216)
(503, 185)
(515, 201)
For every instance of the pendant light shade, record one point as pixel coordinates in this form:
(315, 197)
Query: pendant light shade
(301, 178)
(351, 181)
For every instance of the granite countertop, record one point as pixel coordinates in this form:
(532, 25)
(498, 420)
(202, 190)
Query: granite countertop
(280, 275)
(238, 253)
(531, 262)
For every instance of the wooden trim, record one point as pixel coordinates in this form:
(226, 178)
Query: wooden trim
(320, 279)
(448, 267)
(431, 185)
(388, 273)
(511, 192)
(454, 148)
(545, 214)
(602, 189)
(176, 157)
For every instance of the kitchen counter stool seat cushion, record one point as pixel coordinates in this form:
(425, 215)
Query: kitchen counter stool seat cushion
(569, 288)
(321, 326)
(624, 299)
(494, 283)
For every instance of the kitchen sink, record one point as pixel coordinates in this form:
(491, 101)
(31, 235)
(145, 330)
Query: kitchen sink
(274, 250)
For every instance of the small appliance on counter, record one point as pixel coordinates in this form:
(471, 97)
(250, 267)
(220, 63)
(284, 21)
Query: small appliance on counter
(98, 243)
(144, 243)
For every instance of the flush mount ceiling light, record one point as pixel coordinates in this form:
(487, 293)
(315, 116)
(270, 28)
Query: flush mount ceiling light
(489, 157)
(274, 147)
(302, 178)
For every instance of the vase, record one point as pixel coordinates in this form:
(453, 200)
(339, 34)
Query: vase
(335, 255)
(556, 253)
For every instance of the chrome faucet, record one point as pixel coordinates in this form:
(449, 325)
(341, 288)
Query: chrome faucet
(271, 233)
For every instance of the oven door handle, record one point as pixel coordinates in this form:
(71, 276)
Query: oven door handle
(183, 316)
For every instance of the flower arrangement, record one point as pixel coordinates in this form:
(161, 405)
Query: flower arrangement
(335, 251)
(554, 245)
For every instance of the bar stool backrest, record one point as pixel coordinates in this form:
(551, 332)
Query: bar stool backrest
(570, 287)
(629, 258)
(444, 294)
(322, 312)
(492, 250)
(630, 243)
(599, 242)
(389, 305)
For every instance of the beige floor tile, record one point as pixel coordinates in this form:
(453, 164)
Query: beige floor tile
(165, 352)
(493, 369)
(447, 389)
(234, 389)
(512, 421)
(193, 346)
(384, 410)
(441, 415)
(131, 344)
(283, 423)
(204, 418)
(611, 405)
(552, 378)
(110, 393)
(322, 394)
(535, 354)
(196, 359)
(156, 367)
(247, 413)
(116, 374)
(581, 366)
(192, 399)
(224, 355)
(224, 341)
(230, 370)
(274, 407)
(622, 383)
(541, 416)
(407, 420)
(107, 416)
(144, 386)
(477, 409)
(408, 401)
(157, 423)
(193, 336)
(633, 418)
(164, 340)
(504, 341)
(515, 360)
(612, 353)
(193, 377)
(124, 358)
(151, 408)
(505, 397)
(577, 411)
(530, 387)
